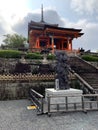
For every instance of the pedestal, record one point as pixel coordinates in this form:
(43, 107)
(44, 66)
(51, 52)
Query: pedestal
(70, 96)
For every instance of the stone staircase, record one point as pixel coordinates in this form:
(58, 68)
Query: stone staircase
(85, 70)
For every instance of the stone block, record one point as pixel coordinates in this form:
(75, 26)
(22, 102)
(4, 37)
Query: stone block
(61, 97)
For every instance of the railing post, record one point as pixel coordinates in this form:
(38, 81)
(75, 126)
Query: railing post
(82, 103)
(48, 98)
(90, 105)
(97, 104)
(66, 101)
(42, 105)
(75, 107)
(57, 107)
(83, 107)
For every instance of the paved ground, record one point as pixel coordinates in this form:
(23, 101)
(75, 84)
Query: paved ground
(15, 116)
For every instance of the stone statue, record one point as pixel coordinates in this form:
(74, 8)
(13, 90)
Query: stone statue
(62, 70)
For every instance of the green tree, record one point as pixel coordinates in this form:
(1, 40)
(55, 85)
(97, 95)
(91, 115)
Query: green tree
(14, 41)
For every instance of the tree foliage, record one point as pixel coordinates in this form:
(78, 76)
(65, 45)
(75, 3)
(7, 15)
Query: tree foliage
(14, 40)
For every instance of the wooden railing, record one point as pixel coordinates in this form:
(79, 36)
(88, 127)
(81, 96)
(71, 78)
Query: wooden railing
(88, 102)
(81, 80)
(84, 83)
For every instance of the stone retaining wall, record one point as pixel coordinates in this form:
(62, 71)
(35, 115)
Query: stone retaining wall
(18, 89)
(8, 65)
(9, 91)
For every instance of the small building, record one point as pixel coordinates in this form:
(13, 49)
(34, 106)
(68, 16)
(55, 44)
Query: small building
(44, 35)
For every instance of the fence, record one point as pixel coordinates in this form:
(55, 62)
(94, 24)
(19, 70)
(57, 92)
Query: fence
(88, 102)
(26, 77)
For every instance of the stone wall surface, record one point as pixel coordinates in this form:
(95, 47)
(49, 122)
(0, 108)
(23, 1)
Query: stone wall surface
(8, 65)
(18, 89)
(10, 91)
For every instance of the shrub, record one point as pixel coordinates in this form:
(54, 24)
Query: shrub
(90, 58)
(34, 56)
(51, 57)
(10, 54)
(17, 54)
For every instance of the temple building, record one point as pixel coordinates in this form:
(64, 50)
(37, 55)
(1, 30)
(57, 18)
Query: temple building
(44, 35)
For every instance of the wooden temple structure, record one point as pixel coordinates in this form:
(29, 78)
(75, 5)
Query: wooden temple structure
(44, 35)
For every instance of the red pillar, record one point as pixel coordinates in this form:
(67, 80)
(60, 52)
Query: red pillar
(52, 38)
(69, 43)
(38, 44)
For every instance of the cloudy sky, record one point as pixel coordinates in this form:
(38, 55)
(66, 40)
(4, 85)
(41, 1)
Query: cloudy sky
(79, 14)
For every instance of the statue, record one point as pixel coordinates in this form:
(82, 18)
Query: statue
(62, 70)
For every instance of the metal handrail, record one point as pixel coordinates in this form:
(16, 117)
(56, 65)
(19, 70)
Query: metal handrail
(37, 99)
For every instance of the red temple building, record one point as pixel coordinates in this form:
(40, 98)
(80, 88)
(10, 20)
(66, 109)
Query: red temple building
(44, 35)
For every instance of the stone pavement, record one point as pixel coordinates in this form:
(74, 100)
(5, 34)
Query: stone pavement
(14, 115)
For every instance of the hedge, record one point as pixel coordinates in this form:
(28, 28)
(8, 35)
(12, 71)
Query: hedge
(34, 56)
(90, 58)
(51, 57)
(17, 54)
(10, 54)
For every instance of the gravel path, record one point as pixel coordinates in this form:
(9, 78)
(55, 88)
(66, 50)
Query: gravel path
(15, 116)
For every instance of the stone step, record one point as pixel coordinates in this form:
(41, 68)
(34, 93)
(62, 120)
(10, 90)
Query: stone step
(88, 72)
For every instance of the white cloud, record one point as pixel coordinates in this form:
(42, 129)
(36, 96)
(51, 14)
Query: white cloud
(85, 6)
(81, 23)
(89, 40)
(10, 8)
(4, 26)
(51, 16)
(11, 11)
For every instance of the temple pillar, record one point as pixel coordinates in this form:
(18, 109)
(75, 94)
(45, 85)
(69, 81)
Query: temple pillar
(38, 43)
(52, 41)
(69, 42)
